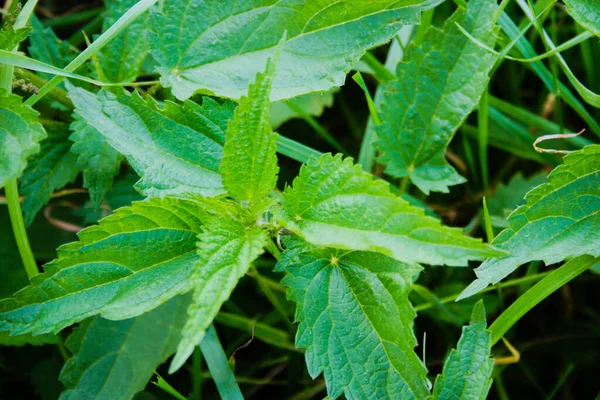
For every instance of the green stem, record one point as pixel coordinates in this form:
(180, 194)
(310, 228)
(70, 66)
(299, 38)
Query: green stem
(544, 288)
(316, 126)
(482, 129)
(16, 219)
(382, 74)
(72, 19)
(57, 94)
(197, 378)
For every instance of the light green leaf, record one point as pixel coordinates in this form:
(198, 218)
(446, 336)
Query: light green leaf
(467, 373)
(226, 249)
(130, 263)
(438, 84)
(249, 165)
(176, 149)
(586, 13)
(114, 360)
(20, 134)
(46, 47)
(334, 203)
(96, 158)
(312, 104)
(50, 169)
(221, 52)
(10, 37)
(355, 321)
(559, 220)
(508, 197)
(122, 58)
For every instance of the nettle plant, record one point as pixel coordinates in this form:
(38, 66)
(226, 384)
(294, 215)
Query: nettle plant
(148, 281)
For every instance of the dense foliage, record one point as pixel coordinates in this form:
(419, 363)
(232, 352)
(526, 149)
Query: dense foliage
(160, 239)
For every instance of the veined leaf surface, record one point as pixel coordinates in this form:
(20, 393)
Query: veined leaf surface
(176, 149)
(586, 13)
(335, 203)
(355, 321)
(559, 220)
(221, 52)
(438, 84)
(130, 263)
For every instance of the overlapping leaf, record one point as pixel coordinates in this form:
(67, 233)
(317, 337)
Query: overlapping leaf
(467, 373)
(586, 12)
(45, 46)
(226, 249)
(221, 52)
(10, 38)
(559, 220)
(438, 85)
(20, 134)
(355, 321)
(311, 104)
(114, 360)
(508, 197)
(176, 149)
(334, 203)
(131, 262)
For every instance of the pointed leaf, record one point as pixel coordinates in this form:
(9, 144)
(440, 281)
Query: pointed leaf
(222, 52)
(10, 37)
(50, 169)
(176, 149)
(226, 249)
(355, 321)
(467, 373)
(115, 359)
(438, 84)
(249, 165)
(20, 134)
(334, 203)
(559, 220)
(586, 13)
(130, 263)
(96, 158)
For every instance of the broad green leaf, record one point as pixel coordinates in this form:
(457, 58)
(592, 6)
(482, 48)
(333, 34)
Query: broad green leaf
(226, 249)
(249, 165)
(438, 84)
(130, 263)
(176, 149)
(20, 134)
(50, 169)
(559, 221)
(46, 47)
(115, 359)
(586, 13)
(10, 37)
(221, 52)
(355, 321)
(508, 197)
(96, 158)
(121, 59)
(312, 104)
(467, 373)
(335, 203)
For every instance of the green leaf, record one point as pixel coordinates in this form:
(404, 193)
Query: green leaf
(558, 221)
(312, 104)
(96, 158)
(122, 58)
(27, 339)
(50, 169)
(467, 373)
(176, 149)
(438, 84)
(221, 52)
(249, 165)
(116, 359)
(334, 203)
(226, 249)
(355, 321)
(130, 263)
(46, 47)
(586, 13)
(10, 37)
(20, 134)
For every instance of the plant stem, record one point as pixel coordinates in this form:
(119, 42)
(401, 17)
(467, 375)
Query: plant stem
(197, 378)
(482, 129)
(316, 126)
(382, 74)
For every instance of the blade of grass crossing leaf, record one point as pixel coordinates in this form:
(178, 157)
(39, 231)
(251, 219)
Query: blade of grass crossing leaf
(552, 282)
(167, 388)
(489, 231)
(219, 368)
(316, 126)
(357, 77)
(482, 127)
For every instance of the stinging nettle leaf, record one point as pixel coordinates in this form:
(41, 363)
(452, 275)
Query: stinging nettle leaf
(335, 203)
(20, 134)
(114, 360)
(46, 47)
(249, 166)
(130, 263)
(559, 220)
(586, 13)
(10, 37)
(438, 84)
(355, 321)
(226, 249)
(176, 149)
(467, 373)
(221, 52)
